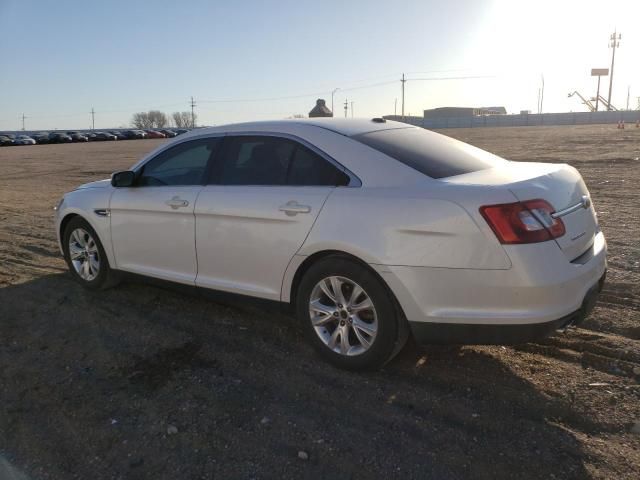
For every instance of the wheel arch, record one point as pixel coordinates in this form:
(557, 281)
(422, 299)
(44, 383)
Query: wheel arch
(64, 222)
(324, 254)
(101, 230)
(404, 330)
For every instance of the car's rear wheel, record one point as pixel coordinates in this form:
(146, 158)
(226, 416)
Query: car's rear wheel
(347, 314)
(85, 256)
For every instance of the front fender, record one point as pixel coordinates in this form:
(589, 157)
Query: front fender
(84, 203)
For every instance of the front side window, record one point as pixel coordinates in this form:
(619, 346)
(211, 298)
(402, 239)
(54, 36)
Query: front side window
(266, 160)
(184, 164)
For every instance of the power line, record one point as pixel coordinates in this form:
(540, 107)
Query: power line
(292, 97)
(404, 80)
(466, 77)
(193, 104)
(264, 99)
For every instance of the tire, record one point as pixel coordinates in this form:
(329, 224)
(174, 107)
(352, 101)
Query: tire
(87, 242)
(316, 301)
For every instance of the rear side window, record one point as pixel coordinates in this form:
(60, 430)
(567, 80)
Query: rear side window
(255, 161)
(308, 168)
(432, 154)
(272, 161)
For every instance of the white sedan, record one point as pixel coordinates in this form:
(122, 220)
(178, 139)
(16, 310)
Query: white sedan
(370, 230)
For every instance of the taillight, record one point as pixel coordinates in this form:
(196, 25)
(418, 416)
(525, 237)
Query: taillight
(523, 222)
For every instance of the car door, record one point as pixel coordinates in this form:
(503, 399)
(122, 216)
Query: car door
(264, 195)
(152, 222)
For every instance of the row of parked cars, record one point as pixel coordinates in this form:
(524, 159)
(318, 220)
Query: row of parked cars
(82, 136)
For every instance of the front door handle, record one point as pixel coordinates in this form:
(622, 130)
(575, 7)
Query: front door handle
(176, 202)
(292, 208)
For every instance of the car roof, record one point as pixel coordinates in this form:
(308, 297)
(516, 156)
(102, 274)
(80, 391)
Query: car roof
(344, 126)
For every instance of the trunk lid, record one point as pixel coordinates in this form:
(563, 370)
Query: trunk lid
(559, 184)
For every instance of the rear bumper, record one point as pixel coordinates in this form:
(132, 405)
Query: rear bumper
(541, 292)
(501, 334)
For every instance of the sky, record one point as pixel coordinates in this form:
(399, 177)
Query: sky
(253, 60)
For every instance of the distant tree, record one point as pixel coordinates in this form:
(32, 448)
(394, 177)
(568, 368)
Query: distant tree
(183, 119)
(140, 120)
(157, 119)
(150, 119)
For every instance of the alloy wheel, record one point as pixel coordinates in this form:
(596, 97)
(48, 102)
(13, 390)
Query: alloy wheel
(343, 315)
(84, 255)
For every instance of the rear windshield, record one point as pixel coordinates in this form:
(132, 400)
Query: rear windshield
(432, 154)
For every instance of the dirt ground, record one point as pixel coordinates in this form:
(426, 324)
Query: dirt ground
(145, 382)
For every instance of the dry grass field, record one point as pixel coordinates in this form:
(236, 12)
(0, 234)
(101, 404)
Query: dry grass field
(90, 383)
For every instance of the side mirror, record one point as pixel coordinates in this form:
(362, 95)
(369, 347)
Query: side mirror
(123, 179)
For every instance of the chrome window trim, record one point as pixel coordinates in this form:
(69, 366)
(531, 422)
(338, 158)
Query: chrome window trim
(354, 181)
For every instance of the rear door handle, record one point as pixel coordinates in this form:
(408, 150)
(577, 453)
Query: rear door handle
(292, 208)
(176, 202)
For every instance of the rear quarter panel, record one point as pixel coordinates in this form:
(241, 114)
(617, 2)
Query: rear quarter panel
(415, 226)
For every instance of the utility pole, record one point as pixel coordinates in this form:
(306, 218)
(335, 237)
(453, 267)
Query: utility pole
(346, 106)
(333, 92)
(542, 93)
(93, 119)
(614, 43)
(351, 109)
(628, 95)
(403, 82)
(193, 116)
(23, 117)
(395, 107)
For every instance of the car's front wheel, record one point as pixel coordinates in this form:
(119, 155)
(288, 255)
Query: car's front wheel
(348, 314)
(85, 256)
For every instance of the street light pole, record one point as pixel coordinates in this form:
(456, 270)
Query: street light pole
(332, 94)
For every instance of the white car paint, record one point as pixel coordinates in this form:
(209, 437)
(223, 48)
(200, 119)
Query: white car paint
(264, 238)
(425, 237)
(150, 237)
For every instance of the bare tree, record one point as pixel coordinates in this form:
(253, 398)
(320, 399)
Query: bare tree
(150, 119)
(183, 119)
(140, 120)
(157, 119)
